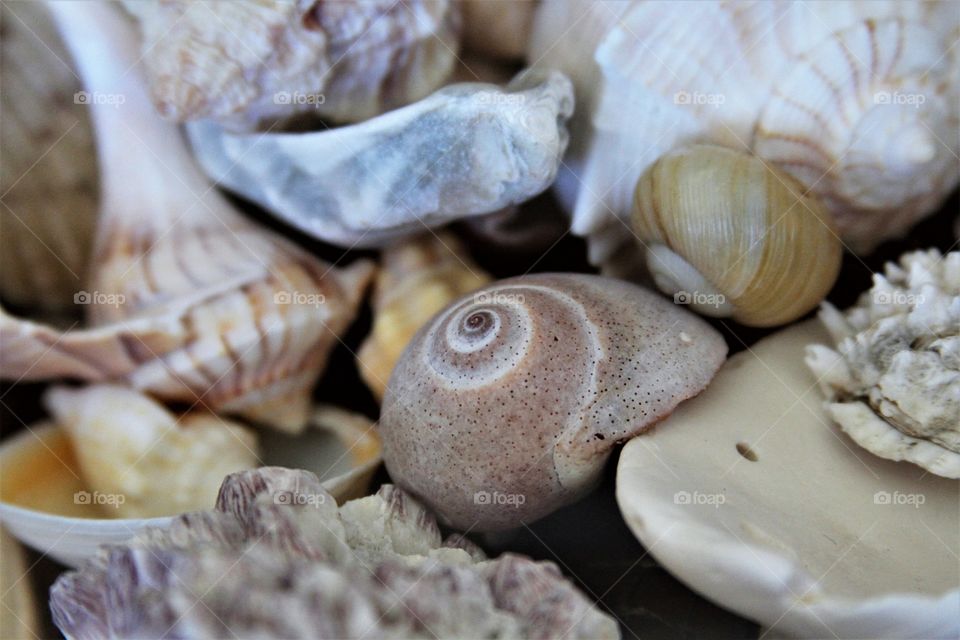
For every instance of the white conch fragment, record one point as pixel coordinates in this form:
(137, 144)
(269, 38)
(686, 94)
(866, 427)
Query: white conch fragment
(467, 149)
(278, 558)
(153, 462)
(247, 64)
(48, 170)
(858, 101)
(189, 301)
(893, 380)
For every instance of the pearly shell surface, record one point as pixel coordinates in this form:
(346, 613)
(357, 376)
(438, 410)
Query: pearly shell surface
(856, 100)
(48, 169)
(892, 381)
(248, 64)
(418, 277)
(189, 301)
(129, 445)
(522, 389)
(278, 558)
(467, 149)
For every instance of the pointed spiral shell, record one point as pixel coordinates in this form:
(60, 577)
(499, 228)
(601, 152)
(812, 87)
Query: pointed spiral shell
(506, 405)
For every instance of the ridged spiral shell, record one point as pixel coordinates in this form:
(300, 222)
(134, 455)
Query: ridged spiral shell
(519, 391)
(798, 83)
(732, 236)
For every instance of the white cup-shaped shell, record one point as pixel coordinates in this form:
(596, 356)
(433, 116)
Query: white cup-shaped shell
(731, 236)
(505, 406)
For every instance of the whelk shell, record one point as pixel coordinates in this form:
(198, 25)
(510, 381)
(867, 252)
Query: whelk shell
(48, 171)
(245, 64)
(278, 558)
(467, 149)
(417, 278)
(856, 100)
(189, 300)
(507, 404)
(46, 502)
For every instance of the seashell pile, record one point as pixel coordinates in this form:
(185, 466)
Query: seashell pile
(892, 382)
(261, 259)
(290, 564)
(858, 101)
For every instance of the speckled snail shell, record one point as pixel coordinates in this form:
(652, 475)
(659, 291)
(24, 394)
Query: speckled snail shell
(506, 405)
(733, 237)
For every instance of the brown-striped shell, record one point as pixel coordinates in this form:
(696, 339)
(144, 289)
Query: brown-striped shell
(506, 405)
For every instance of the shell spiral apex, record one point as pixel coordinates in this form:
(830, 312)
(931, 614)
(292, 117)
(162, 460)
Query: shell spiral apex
(505, 406)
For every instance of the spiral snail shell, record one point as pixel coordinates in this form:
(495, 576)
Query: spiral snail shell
(506, 405)
(734, 236)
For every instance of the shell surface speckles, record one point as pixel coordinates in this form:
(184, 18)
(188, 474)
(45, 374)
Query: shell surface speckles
(465, 150)
(418, 277)
(519, 391)
(855, 99)
(893, 380)
(48, 169)
(246, 63)
(278, 558)
(760, 250)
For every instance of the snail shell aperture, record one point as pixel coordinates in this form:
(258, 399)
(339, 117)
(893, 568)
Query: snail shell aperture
(506, 405)
(735, 236)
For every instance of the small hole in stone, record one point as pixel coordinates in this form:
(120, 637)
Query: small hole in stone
(744, 449)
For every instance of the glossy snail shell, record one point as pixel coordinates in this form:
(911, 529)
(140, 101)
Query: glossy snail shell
(732, 236)
(506, 405)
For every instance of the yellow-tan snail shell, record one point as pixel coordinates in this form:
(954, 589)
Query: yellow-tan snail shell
(418, 277)
(506, 405)
(733, 237)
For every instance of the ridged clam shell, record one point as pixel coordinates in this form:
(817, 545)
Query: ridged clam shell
(245, 64)
(48, 168)
(417, 278)
(277, 557)
(712, 72)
